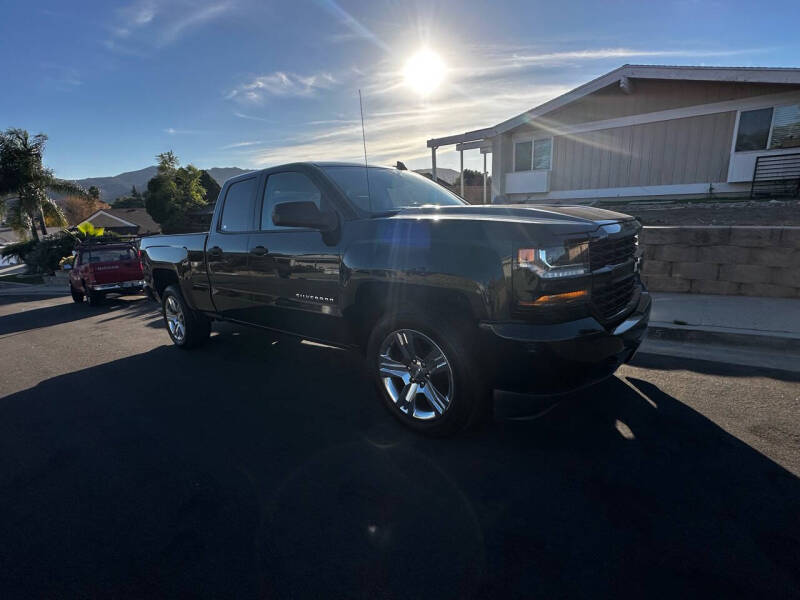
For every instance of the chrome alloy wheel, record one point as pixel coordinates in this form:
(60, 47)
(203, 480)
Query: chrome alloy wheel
(416, 374)
(175, 319)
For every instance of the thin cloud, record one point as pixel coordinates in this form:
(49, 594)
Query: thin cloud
(241, 145)
(60, 77)
(356, 30)
(608, 53)
(252, 117)
(173, 131)
(201, 16)
(140, 26)
(281, 83)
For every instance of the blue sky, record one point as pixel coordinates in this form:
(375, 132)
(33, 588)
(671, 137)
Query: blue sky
(250, 83)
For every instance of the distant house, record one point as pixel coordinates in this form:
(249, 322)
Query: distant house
(644, 131)
(125, 221)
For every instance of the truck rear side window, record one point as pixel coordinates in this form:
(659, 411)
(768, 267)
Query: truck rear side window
(237, 212)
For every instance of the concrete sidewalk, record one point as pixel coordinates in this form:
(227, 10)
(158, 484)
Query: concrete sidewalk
(50, 287)
(762, 332)
(743, 314)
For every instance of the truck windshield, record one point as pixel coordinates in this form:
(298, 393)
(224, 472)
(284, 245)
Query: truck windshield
(389, 189)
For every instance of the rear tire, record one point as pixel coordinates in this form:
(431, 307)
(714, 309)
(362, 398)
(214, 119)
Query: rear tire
(186, 328)
(95, 298)
(427, 373)
(76, 295)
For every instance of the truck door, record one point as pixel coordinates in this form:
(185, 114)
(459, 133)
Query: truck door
(226, 249)
(295, 273)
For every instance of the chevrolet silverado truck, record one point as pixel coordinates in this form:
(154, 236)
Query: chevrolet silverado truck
(447, 300)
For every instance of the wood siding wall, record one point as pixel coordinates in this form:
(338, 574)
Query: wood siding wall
(651, 95)
(688, 150)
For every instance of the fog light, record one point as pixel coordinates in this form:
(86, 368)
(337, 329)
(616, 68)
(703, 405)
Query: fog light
(566, 297)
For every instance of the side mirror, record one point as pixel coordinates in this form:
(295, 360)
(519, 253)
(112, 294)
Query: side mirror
(304, 214)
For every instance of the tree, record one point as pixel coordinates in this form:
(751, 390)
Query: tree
(134, 200)
(128, 202)
(93, 197)
(76, 209)
(471, 178)
(22, 174)
(173, 192)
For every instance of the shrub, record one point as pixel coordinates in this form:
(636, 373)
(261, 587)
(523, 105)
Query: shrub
(18, 250)
(42, 256)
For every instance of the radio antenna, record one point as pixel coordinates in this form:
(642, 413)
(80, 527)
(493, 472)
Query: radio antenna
(364, 139)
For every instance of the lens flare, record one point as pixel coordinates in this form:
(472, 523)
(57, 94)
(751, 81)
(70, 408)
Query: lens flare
(424, 72)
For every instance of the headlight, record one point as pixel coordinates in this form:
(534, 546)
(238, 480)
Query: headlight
(556, 261)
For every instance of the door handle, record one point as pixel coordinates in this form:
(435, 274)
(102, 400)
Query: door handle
(215, 251)
(258, 251)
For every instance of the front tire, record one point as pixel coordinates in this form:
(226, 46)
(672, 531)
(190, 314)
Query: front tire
(186, 328)
(427, 374)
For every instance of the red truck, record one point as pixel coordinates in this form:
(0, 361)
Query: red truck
(100, 269)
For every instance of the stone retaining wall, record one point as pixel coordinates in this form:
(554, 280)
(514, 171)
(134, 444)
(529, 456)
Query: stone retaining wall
(745, 261)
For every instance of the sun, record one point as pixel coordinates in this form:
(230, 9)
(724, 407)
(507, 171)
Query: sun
(424, 72)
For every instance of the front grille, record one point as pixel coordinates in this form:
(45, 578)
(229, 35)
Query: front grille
(611, 251)
(608, 300)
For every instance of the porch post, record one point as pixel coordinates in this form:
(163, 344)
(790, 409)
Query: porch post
(462, 172)
(484, 177)
(433, 164)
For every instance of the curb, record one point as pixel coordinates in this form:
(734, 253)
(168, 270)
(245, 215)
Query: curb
(778, 341)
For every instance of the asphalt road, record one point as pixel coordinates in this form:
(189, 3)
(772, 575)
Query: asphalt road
(259, 466)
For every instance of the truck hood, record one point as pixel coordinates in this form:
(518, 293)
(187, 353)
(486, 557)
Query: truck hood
(577, 218)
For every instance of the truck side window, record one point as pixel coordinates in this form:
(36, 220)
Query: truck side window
(237, 212)
(287, 187)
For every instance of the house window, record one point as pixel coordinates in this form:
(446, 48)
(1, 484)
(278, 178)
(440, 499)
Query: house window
(785, 127)
(542, 150)
(522, 156)
(754, 126)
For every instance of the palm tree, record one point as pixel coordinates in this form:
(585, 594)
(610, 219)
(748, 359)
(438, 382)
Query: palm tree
(22, 174)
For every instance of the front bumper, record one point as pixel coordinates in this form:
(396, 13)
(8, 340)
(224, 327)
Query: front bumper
(546, 359)
(119, 286)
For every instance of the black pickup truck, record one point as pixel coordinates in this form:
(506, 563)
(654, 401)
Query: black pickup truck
(448, 301)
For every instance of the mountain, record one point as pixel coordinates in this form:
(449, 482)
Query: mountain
(449, 176)
(112, 188)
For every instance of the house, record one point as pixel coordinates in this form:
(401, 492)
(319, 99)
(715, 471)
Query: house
(125, 221)
(645, 131)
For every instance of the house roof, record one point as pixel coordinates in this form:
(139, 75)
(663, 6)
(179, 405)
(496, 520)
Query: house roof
(124, 217)
(688, 73)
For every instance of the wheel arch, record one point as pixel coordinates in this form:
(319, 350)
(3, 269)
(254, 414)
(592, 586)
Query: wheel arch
(163, 277)
(373, 300)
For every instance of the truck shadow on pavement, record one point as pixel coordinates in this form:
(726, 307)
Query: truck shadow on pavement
(708, 367)
(259, 467)
(68, 311)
